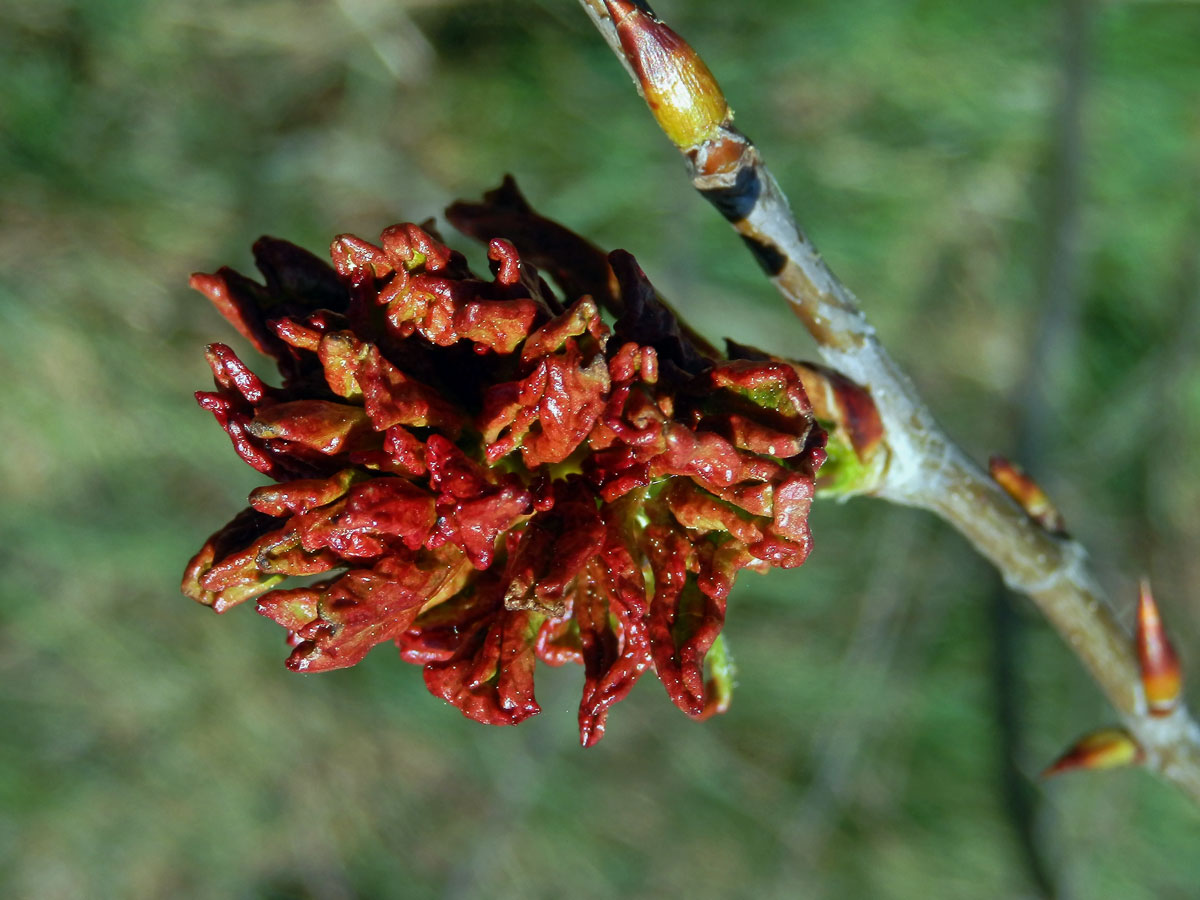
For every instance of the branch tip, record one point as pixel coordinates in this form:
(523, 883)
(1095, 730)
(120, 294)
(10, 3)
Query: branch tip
(678, 87)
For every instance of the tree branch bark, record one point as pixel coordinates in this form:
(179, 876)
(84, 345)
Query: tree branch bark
(925, 469)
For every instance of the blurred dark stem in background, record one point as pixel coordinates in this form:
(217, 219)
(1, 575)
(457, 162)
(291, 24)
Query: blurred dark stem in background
(1052, 349)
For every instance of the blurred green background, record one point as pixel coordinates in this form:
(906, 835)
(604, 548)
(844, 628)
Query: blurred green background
(1013, 190)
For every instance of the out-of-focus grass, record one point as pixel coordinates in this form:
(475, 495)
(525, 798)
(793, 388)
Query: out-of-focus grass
(151, 749)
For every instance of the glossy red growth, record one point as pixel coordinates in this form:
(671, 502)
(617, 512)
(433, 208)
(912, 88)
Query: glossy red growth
(486, 476)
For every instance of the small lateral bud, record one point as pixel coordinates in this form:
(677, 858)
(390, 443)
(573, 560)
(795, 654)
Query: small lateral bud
(1162, 675)
(679, 88)
(1028, 494)
(1108, 748)
(844, 404)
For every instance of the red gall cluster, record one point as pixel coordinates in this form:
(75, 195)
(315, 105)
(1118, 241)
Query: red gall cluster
(486, 476)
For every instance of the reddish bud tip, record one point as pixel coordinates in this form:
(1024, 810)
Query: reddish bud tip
(1107, 748)
(1162, 675)
(680, 90)
(844, 404)
(1028, 494)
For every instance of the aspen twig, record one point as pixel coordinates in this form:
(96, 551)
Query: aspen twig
(924, 468)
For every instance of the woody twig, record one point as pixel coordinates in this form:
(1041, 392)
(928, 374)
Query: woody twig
(1003, 515)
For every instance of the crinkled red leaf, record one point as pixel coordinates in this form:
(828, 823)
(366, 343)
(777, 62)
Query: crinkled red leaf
(558, 639)
(473, 512)
(373, 517)
(246, 559)
(321, 425)
(339, 621)
(549, 413)
(610, 608)
(687, 612)
(578, 266)
(478, 655)
(553, 548)
(299, 496)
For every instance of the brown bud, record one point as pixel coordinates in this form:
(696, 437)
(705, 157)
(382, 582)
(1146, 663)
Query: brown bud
(1028, 494)
(1107, 748)
(844, 404)
(680, 90)
(1162, 675)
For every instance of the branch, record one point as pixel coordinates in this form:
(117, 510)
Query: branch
(923, 468)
